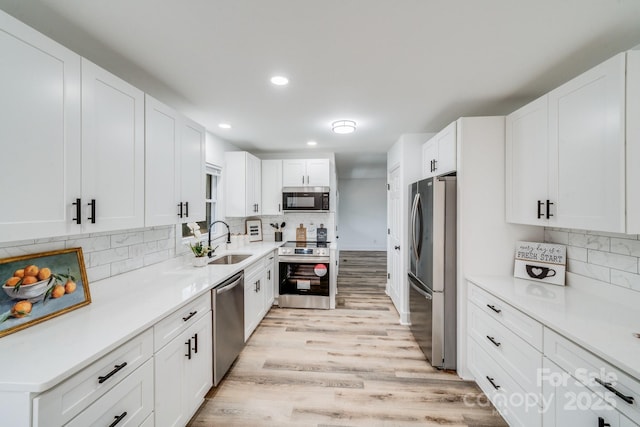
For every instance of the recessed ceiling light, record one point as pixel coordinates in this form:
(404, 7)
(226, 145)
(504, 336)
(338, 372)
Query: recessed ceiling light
(279, 80)
(224, 126)
(312, 143)
(343, 126)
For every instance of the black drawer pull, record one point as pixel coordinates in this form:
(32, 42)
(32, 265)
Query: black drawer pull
(180, 215)
(116, 368)
(601, 423)
(608, 386)
(193, 313)
(92, 218)
(118, 418)
(188, 343)
(186, 209)
(497, 387)
(540, 214)
(195, 343)
(493, 340)
(78, 205)
(549, 214)
(493, 307)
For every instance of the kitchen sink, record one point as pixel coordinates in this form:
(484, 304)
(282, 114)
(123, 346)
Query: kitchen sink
(230, 259)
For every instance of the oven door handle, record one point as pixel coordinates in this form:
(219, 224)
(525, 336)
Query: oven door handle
(300, 259)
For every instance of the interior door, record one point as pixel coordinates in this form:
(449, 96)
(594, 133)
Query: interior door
(395, 232)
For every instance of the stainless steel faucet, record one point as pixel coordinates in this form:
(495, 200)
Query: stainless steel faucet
(228, 235)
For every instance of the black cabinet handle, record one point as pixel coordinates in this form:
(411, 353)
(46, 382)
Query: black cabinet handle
(279, 208)
(497, 387)
(186, 209)
(268, 274)
(92, 218)
(493, 340)
(180, 212)
(397, 248)
(608, 386)
(191, 314)
(493, 307)
(540, 203)
(435, 165)
(549, 214)
(601, 423)
(118, 418)
(116, 368)
(78, 205)
(195, 343)
(188, 343)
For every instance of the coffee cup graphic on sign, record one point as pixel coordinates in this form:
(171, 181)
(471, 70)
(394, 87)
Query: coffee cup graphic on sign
(538, 272)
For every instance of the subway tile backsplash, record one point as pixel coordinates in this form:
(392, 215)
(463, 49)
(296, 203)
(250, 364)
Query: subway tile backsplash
(106, 254)
(610, 257)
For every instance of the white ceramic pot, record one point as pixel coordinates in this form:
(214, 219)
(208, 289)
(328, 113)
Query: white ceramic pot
(200, 261)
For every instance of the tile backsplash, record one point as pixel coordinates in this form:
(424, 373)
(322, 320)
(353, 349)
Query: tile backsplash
(106, 254)
(610, 257)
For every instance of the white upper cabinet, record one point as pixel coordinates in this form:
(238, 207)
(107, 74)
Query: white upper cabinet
(566, 153)
(306, 172)
(439, 153)
(112, 151)
(243, 184)
(527, 164)
(272, 187)
(40, 134)
(174, 166)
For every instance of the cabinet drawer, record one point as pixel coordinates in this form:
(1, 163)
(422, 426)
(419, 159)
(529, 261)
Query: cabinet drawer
(516, 406)
(66, 400)
(255, 268)
(593, 371)
(521, 361)
(131, 401)
(569, 403)
(172, 325)
(519, 323)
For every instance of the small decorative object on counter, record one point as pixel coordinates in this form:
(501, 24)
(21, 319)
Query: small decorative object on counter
(321, 234)
(540, 261)
(278, 234)
(198, 248)
(301, 233)
(254, 230)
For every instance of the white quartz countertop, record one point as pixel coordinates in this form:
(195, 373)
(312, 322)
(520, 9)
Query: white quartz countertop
(37, 358)
(600, 317)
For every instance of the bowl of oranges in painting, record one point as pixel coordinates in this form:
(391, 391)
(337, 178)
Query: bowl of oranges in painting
(29, 283)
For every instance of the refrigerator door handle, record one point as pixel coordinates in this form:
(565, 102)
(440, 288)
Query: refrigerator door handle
(419, 214)
(420, 291)
(414, 209)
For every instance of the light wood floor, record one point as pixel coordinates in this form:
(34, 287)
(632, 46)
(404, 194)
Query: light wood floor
(353, 366)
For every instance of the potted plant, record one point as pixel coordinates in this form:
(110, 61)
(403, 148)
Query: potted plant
(199, 249)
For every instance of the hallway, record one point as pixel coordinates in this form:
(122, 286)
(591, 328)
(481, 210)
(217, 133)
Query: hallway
(353, 366)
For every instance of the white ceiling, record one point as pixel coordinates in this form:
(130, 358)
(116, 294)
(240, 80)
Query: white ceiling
(393, 66)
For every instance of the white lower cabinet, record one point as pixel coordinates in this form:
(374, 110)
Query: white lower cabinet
(183, 374)
(270, 281)
(259, 292)
(73, 396)
(129, 403)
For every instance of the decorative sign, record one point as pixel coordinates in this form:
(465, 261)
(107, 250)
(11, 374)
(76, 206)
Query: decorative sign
(254, 230)
(541, 261)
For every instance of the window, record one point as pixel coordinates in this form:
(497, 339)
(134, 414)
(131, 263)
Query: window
(212, 187)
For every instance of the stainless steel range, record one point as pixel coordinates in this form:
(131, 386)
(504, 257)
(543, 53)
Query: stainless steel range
(305, 275)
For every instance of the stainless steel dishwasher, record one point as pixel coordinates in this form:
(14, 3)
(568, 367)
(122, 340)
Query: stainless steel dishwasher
(228, 324)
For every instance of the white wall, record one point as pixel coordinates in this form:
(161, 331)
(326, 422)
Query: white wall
(363, 214)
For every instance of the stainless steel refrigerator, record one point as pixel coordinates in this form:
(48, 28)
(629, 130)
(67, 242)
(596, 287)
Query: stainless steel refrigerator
(432, 269)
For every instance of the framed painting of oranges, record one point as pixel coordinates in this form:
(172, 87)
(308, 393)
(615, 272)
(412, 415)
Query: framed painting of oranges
(40, 286)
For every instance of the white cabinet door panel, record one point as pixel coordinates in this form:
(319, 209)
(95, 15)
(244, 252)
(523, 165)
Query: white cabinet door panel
(192, 175)
(633, 142)
(200, 366)
(318, 172)
(527, 163)
(112, 151)
(587, 147)
(271, 187)
(294, 173)
(446, 160)
(40, 133)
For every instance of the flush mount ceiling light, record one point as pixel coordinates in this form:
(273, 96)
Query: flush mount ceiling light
(312, 143)
(343, 126)
(279, 80)
(224, 126)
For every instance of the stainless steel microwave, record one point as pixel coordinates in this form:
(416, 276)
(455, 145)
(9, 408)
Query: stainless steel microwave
(305, 199)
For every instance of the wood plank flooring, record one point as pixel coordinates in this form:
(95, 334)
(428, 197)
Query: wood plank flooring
(353, 366)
